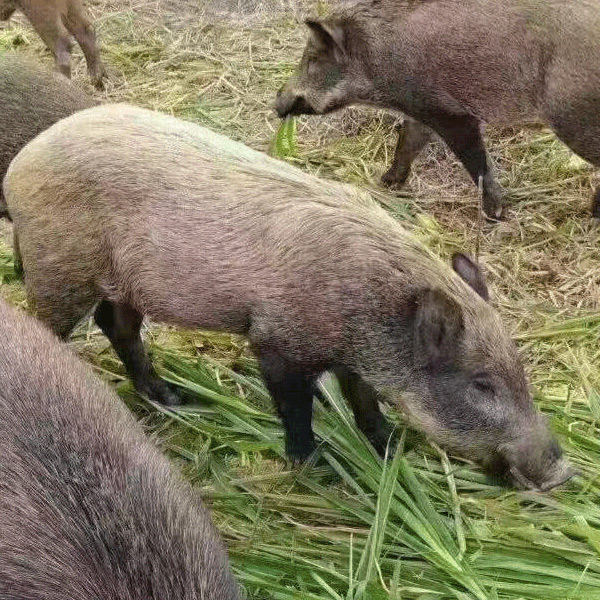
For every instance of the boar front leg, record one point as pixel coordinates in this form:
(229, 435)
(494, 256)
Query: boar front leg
(121, 324)
(83, 31)
(364, 401)
(412, 138)
(292, 391)
(462, 133)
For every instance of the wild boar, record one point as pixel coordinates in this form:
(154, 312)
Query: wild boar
(55, 21)
(452, 65)
(90, 509)
(31, 99)
(137, 213)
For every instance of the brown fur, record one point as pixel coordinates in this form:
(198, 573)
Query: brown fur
(31, 99)
(149, 215)
(56, 21)
(453, 65)
(90, 510)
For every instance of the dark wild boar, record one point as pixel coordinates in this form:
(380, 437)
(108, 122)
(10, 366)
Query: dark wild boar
(90, 510)
(136, 213)
(56, 21)
(31, 99)
(452, 65)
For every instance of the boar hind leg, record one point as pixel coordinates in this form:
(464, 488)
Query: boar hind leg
(463, 136)
(121, 324)
(51, 308)
(57, 38)
(579, 128)
(47, 22)
(17, 258)
(365, 405)
(292, 391)
(412, 138)
(83, 31)
(4, 214)
(596, 204)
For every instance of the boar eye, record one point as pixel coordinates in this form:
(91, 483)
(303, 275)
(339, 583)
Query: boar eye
(485, 386)
(313, 66)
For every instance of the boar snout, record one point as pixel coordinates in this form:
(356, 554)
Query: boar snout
(537, 466)
(559, 473)
(288, 104)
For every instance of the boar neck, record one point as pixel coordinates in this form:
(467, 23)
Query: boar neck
(379, 341)
(395, 83)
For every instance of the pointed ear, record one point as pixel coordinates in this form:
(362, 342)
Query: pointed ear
(329, 34)
(438, 327)
(470, 272)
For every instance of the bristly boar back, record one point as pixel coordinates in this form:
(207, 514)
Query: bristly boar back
(89, 509)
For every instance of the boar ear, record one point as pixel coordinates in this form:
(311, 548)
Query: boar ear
(328, 33)
(438, 327)
(472, 273)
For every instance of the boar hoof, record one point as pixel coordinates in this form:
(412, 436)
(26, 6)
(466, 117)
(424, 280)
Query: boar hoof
(99, 77)
(159, 391)
(392, 179)
(383, 439)
(298, 452)
(18, 268)
(493, 202)
(495, 218)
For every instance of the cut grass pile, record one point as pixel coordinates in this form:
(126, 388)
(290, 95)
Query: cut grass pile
(348, 525)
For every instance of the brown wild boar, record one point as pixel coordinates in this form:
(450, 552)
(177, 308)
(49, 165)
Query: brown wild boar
(31, 99)
(137, 213)
(452, 65)
(90, 510)
(56, 21)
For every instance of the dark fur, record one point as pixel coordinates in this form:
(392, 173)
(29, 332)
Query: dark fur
(596, 205)
(89, 509)
(142, 214)
(56, 21)
(452, 65)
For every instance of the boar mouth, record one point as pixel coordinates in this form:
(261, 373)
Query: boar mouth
(539, 477)
(298, 106)
(560, 474)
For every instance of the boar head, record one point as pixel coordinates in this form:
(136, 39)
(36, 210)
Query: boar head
(467, 388)
(330, 74)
